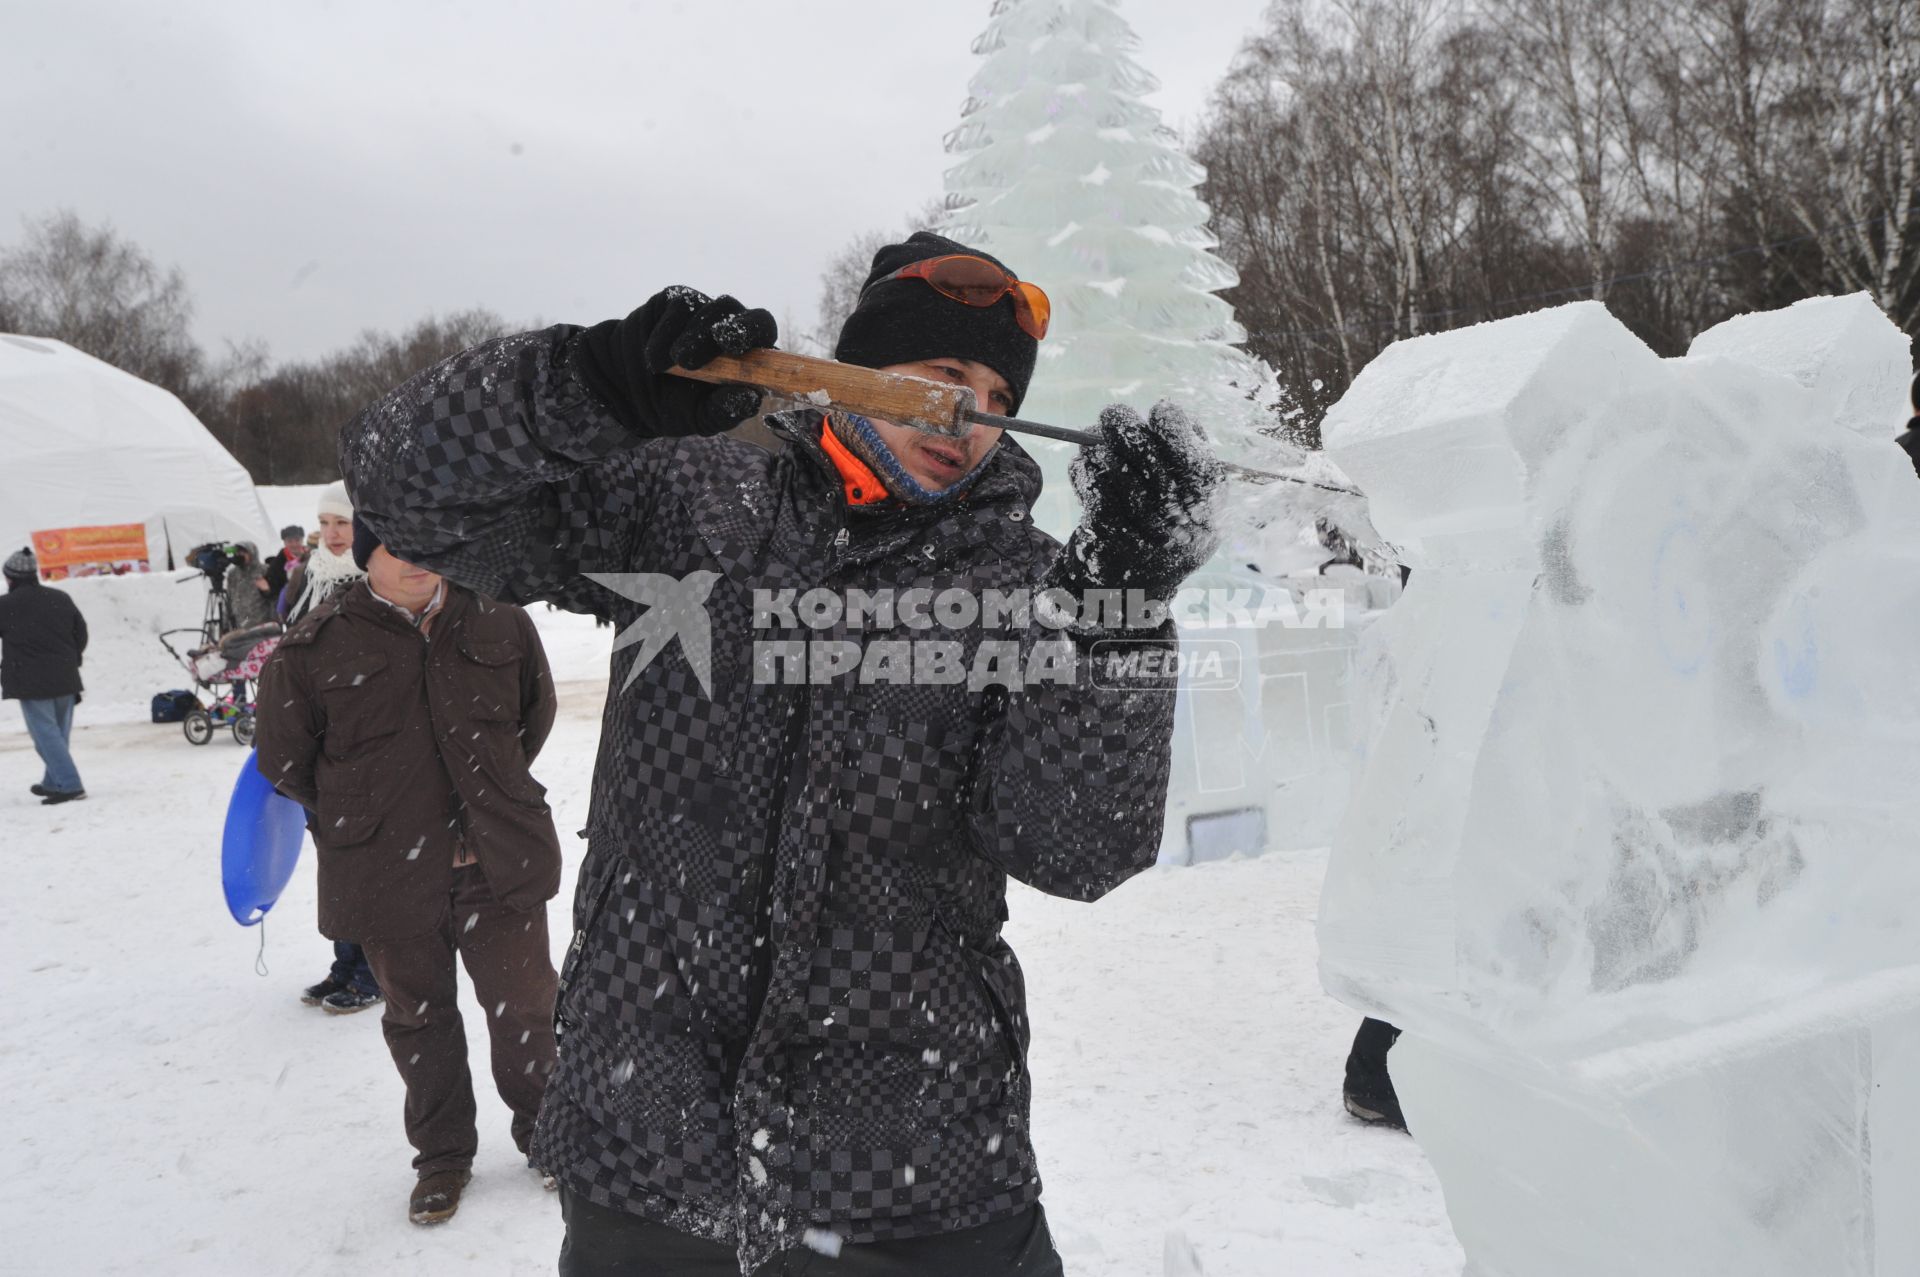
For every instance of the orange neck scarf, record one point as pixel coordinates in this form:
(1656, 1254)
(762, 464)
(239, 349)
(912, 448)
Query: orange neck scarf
(862, 485)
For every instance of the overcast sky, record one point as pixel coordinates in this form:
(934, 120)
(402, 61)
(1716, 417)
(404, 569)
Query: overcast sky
(317, 167)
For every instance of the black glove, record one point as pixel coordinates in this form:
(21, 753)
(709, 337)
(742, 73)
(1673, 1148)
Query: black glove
(1148, 488)
(624, 362)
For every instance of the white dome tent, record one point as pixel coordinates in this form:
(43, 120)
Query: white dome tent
(86, 444)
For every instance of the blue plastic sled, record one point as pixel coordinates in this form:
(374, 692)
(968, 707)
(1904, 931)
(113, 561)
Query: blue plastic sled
(261, 846)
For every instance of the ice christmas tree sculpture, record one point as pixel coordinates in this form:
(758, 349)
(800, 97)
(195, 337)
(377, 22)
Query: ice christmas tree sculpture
(1070, 178)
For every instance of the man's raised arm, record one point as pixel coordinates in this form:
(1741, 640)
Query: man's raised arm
(518, 465)
(1071, 787)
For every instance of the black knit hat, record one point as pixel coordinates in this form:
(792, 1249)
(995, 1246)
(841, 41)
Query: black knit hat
(22, 566)
(904, 320)
(365, 542)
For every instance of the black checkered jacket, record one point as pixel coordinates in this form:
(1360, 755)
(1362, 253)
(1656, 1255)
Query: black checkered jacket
(787, 1005)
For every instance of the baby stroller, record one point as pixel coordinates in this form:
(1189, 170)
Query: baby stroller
(225, 672)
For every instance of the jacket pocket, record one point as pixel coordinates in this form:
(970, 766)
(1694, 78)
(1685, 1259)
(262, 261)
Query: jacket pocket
(345, 820)
(985, 970)
(492, 678)
(583, 922)
(359, 702)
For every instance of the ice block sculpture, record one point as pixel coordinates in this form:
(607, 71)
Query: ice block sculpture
(1634, 858)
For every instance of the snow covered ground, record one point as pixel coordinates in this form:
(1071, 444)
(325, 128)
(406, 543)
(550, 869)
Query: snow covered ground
(173, 1112)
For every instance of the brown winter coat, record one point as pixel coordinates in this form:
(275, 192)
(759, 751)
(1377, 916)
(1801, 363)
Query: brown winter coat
(404, 747)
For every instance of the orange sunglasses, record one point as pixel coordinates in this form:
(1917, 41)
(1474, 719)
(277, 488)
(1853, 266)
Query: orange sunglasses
(975, 281)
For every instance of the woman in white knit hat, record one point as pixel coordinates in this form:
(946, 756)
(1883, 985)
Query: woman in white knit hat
(331, 565)
(350, 985)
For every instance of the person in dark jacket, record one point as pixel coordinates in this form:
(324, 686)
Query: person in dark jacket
(293, 548)
(349, 986)
(788, 1017)
(1909, 439)
(249, 602)
(42, 639)
(404, 714)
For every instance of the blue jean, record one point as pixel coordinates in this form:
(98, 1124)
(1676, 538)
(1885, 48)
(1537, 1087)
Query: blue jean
(50, 723)
(350, 968)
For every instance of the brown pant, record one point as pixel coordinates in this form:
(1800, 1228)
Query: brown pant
(507, 959)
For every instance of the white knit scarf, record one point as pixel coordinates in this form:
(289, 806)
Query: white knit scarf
(325, 572)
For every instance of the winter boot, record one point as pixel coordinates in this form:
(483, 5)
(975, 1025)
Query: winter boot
(437, 1196)
(1382, 1109)
(56, 797)
(1369, 1093)
(314, 994)
(348, 1000)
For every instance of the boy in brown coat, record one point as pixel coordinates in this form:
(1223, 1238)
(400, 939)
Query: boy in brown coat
(403, 714)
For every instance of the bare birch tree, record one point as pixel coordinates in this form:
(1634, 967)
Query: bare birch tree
(1380, 168)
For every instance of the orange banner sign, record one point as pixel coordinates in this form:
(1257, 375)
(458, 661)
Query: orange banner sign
(102, 551)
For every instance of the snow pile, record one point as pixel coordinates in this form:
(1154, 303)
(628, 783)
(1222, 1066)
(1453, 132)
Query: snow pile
(1632, 858)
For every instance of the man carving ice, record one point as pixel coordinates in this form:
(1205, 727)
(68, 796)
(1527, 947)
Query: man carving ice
(787, 1018)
